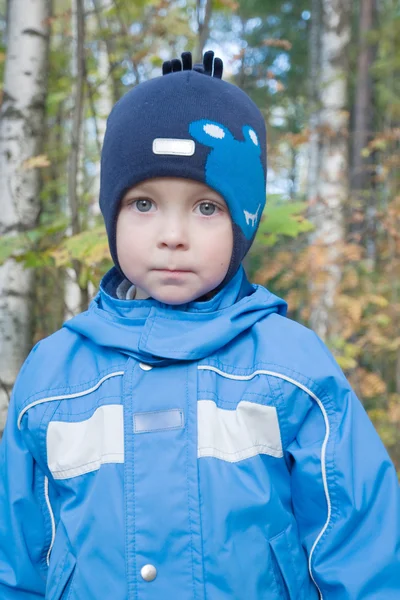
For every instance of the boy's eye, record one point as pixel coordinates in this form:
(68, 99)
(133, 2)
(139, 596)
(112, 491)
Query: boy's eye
(143, 204)
(207, 208)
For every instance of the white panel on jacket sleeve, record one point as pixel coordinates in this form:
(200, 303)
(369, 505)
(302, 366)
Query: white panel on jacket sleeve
(234, 435)
(77, 448)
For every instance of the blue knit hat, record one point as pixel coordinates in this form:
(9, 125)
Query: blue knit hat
(188, 123)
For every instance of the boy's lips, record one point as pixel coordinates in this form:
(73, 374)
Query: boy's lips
(174, 270)
(173, 274)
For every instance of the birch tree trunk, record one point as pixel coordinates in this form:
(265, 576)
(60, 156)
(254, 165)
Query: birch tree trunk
(328, 190)
(100, 108)
(361, 180)
(76, 294)
(21, 131)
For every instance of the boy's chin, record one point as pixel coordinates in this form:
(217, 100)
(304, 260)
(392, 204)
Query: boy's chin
(175, 299)
(178, 297)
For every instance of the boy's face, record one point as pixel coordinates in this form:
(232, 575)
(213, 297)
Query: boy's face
(174, 238)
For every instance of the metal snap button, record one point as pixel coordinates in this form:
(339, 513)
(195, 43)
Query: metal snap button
(145, 367)
(148, 572)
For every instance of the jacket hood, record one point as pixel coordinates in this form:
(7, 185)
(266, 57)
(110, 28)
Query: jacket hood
(158, 334)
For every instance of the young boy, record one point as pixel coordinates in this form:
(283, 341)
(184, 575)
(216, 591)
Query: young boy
(182, 439)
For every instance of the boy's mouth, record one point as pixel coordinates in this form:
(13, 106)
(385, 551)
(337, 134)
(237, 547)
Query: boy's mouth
(173, 270)
(173, 274)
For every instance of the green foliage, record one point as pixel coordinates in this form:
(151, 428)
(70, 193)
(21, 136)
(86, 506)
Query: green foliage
(48, 246)
(386, 68)
(346, 353)
(282, 218)
(25, 247)
(89, 248)
(274, 58)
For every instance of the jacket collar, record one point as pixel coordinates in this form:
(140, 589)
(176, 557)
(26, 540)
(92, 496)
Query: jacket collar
(158, 334)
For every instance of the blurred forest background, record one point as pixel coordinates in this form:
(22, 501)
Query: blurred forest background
(325, 74)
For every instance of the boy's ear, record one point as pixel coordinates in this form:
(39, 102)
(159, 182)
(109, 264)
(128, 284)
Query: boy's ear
(251, 136)
(210, 133)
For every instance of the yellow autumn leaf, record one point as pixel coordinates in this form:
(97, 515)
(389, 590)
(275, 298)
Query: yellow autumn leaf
(293, 298)
(352, 252)
(393, 345)
(88, 247)
(377, 300)
(394, 408)
(231, 4)
(36, 162)
(350, 306)
(346, 362)
(376, 339)
(61, 256)
(371, 385)
(351, 280)
(275, 43)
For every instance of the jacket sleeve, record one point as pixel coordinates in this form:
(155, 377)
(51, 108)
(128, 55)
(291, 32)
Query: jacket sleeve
(346, 497)
(23, 525)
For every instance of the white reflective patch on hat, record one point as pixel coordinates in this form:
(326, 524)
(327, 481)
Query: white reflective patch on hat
(214, 131)
(253, 136)
(171, 146)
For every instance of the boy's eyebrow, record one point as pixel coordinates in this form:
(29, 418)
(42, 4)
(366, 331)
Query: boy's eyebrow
(137, 188)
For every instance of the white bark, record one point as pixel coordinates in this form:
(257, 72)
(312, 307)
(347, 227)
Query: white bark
(105, 101)
(73, 293)
(328, 189)
(104, 105)
(21, 130)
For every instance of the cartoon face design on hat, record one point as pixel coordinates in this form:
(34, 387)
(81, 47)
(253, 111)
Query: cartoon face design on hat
(234, 168)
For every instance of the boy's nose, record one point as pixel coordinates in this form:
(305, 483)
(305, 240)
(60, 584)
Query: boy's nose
(174, 235)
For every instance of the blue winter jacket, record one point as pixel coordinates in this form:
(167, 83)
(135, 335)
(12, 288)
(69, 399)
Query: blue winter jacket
(207, 451)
